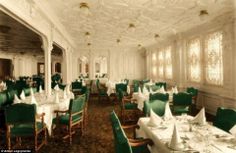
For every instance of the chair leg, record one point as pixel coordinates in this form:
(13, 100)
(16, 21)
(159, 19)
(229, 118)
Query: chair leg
(70, 135)
(45, 136)
(35, 142)
(8, 138)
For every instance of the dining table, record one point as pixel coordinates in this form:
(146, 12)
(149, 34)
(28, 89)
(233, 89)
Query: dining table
(195, 138)
(47, 104)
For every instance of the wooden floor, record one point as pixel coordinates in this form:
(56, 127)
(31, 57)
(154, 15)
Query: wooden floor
(98, 137)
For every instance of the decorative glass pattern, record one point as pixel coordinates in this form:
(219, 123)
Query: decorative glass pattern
(161, 64)
(194, 61)
(168, 63)
(214, 59)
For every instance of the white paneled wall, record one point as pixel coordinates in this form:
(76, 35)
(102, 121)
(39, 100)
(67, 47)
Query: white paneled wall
(210, 96)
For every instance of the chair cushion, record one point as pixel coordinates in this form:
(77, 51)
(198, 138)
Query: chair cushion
(140, 149)
(181, 109)
(25, 129)
(131, 106)
(64, 119)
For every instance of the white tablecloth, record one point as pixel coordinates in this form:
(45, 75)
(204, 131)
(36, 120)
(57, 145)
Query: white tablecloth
(201, 137)
(48, 105)
(141, 98)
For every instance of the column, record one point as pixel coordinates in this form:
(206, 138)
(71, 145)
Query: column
(47, 47)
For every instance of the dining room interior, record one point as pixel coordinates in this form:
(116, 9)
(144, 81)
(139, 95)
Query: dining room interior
(118, 76)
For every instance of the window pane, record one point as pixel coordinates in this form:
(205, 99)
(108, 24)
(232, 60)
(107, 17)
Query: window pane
(168, 63)
(214, 60)
(194, 67)
(161, 64)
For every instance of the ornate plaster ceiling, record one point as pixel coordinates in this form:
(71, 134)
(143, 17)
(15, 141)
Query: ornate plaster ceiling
(108, 20)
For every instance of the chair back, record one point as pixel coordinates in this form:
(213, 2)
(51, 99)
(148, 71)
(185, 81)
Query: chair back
(160, 84)
(159, 96)
(182, 99)
(225, 118)
(76, 85)
(11, 96)
(157, 106)
(77, 104)
(120, 140)
(20, 113)
(3, 98)
(121, 86)
(192, 91)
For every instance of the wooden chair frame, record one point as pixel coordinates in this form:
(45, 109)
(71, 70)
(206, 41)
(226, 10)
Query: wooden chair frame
(71, 124)
(36, 133)
(126, 99)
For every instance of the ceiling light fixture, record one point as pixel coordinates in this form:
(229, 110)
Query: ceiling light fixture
(84, 8)
(203, 15)
(87, 35)
(118, 41)
(156, 37)
(139, 46)
(132, 27)
(89, 44)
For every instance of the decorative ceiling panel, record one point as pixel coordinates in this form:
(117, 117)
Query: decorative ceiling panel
(108, 20)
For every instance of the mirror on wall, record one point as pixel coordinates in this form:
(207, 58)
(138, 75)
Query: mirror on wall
(100, 67)
(83, 68)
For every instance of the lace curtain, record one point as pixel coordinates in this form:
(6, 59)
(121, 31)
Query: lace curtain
(194, 60)
(214, 59)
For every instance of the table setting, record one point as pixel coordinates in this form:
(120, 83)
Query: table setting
(185, 134)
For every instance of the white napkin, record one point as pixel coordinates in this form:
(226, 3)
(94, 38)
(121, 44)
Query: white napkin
(128, 89)
(31, 92)
(56, 88)
(174, 90)
(56, 97)
(64, 94)
(40, 89)
(154, 120)
(233, 130)
(175, 142)
(22, 95)
(162, 90)
(83, 83)
(68, 90)
(145, 91)
(139, 91)
(33, 100)
(16, 99)
(168, 115)
(200, 118)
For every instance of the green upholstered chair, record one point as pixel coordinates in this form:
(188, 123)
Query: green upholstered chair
(124, 144)
(10, 84)
(225, 118)
(193, 92)
(3, 98)
(182, 103)
(129, 108)
(121, 86)
(157, 106)
(135, 85)
(160, 84)
(73, 117)
(126, 81)
(21, 121)
(76, 86)
(159, 96)
(102, 93)
(27, 91)
(56, 78)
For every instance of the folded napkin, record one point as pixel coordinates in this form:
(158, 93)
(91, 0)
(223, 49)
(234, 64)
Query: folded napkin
(33, 100)
(162, 90)
(64, 94)
(174, 90)
(145, 91)
(168, 115)
(56, 88)
(68, 90)
(40, 89)
(139, 91)
(200, 118)
(31, 92)
(83, 83)
(175, 142)
(22, 95)
(16, 99)
(128, 89)
(56, 99)
(233, 130)
(154, 120)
